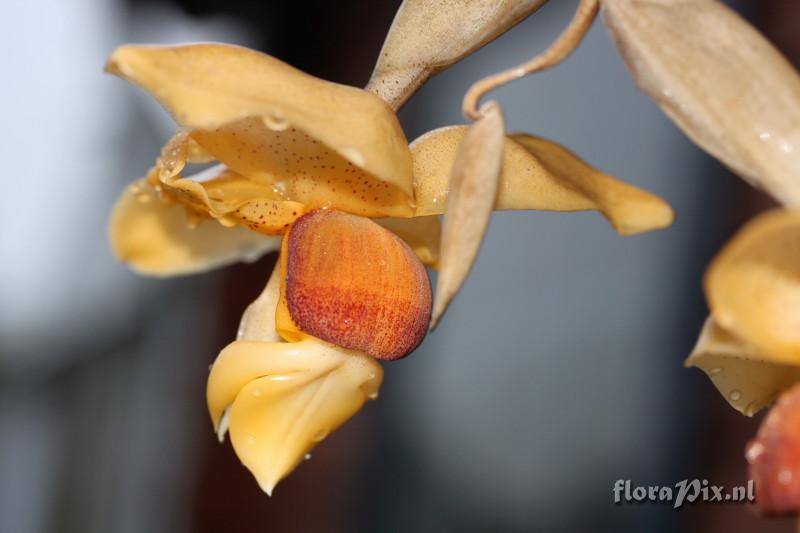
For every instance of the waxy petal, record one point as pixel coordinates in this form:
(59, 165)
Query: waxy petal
(221, 91)
(537, 174)
(160, 240)
(753, 285)
(720, 81)
(428, 36)
(472, 195)
(743, 375)
(284, 398)
(350, 282)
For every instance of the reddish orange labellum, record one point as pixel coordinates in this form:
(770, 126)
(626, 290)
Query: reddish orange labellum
(351, 282)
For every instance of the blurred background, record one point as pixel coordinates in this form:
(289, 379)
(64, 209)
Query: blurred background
(557, 371)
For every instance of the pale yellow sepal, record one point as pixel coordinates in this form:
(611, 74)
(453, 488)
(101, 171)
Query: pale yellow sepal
(428, 36)
(537, 174)
(218, 91)
(746, 377)
(753, 285)
(284, 398)
(157, 239)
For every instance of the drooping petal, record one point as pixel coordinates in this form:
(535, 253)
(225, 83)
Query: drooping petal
(720, 81)
(753, 285)
(428, 36)
(472, 195)
(271, 122)
(422, 234)
(285, 398)
(743, 375)
(350, 282)
(537, 174)
(157, 239)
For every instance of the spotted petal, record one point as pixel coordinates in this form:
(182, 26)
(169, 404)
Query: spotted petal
(316, 142)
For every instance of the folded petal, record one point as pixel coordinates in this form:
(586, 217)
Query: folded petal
(428, 36)
(472, 194)
(753, 285)
(287, 397)
(744, 376)
(537, 174)
(270, 122)
(158, 239)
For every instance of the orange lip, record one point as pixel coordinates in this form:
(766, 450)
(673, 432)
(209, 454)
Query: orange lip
(352, 283)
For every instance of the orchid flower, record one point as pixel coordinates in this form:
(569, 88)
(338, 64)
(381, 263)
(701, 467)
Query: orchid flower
(323, 172)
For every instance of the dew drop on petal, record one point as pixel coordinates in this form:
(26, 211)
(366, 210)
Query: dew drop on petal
(714, 371)
(735, 395)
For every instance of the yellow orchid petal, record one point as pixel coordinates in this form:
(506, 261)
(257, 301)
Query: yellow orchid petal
(472, 189)
(298, 168)
(274, 123)
(157, 239)
(221, 193)
(422, 234)
(287, 397)
(753, 285)
(428, 36)
(537, 174)
(743, 375)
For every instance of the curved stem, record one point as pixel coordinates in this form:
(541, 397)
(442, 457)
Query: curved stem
(558, 51)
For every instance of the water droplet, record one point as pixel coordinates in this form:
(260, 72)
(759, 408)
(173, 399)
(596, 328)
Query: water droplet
(276, 121)
(785, 476)
(754, 451)
(372, 396)
(751, 408)
(354, 156)
(735, 395)
(279, 187)
(257, 392)
(319, 435)
(307, 456)
(716, 370)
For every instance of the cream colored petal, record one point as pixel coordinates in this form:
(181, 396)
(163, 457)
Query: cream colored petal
(721, 82)
(537, 174)
(746, 378)
(158, 240)
(428, 36)
(211, 86)
(472, 195)
(288, 397)
(422, 234)
(753, 285)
